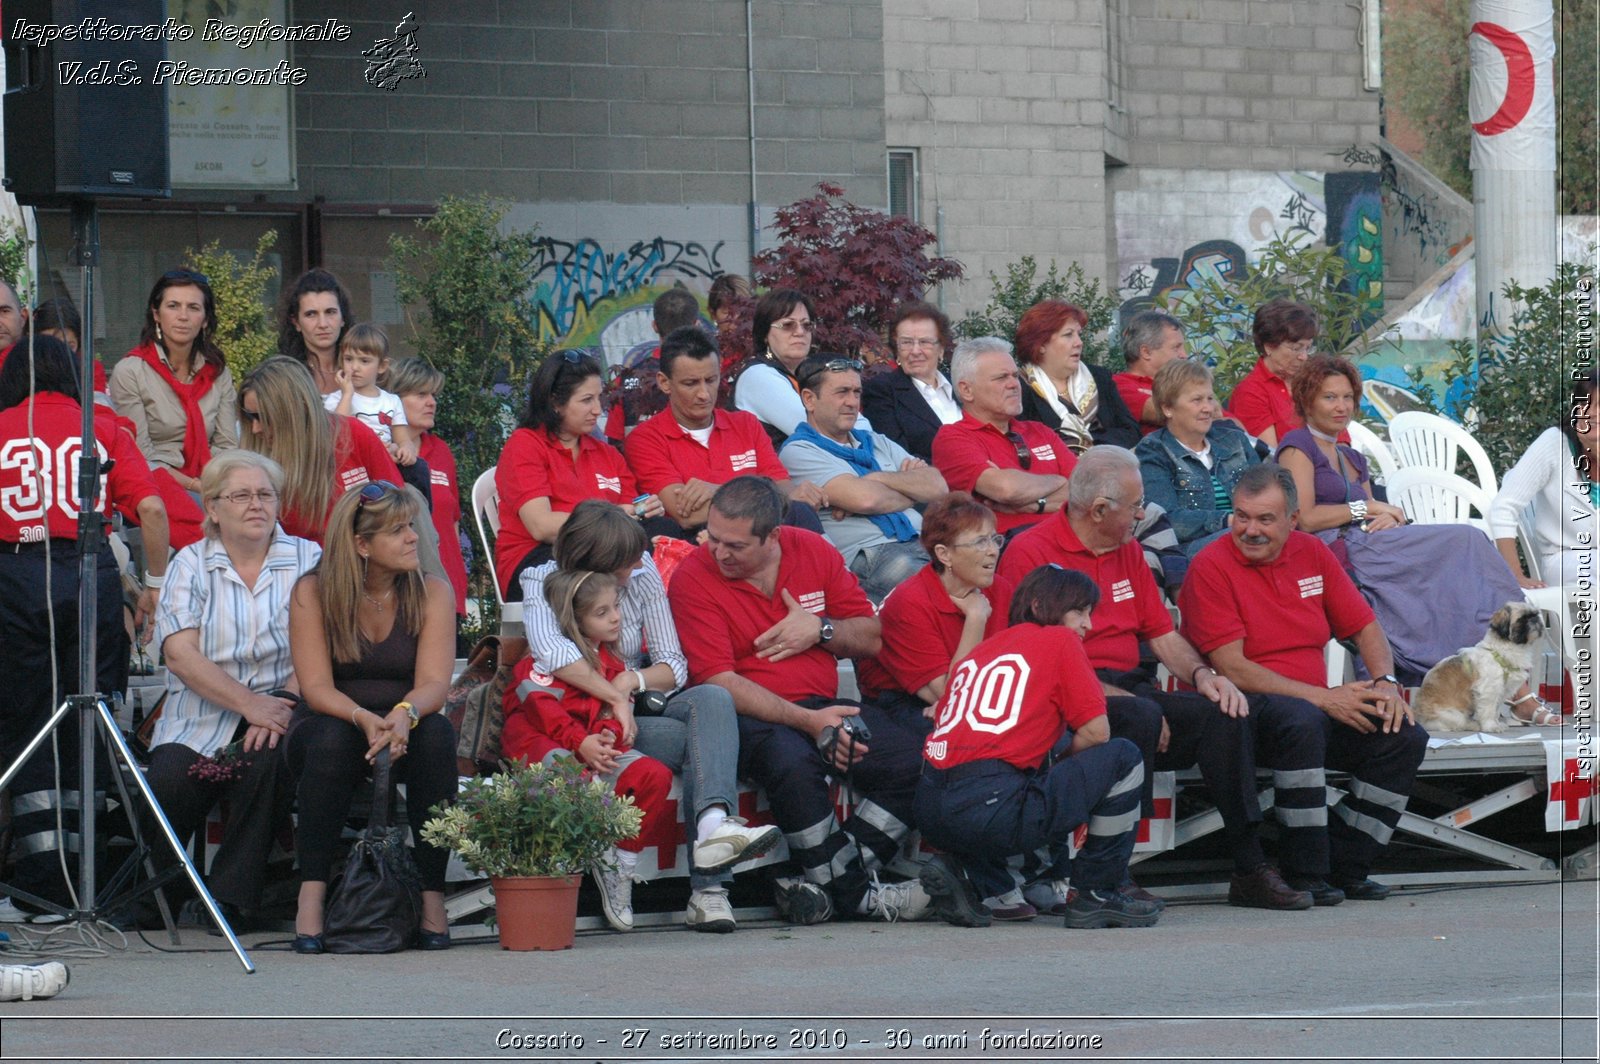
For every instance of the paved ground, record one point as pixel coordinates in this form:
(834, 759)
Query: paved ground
(1479, 974)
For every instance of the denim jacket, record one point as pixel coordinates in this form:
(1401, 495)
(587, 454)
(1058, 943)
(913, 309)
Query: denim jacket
(1176, 479)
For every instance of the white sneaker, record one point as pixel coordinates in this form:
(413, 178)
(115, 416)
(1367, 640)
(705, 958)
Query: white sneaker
(616, 894)
(24, 982)
(800, 901)
(9, 913)
(709, 910)
(734, 842)
(896, 901)
(1049, 896)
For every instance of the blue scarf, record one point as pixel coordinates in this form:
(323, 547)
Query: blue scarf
(896, 526)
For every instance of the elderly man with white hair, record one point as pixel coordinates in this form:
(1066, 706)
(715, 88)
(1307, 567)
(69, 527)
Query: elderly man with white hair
(1019, 469)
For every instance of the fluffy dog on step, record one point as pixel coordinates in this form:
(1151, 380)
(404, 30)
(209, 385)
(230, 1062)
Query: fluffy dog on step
(1464, 692)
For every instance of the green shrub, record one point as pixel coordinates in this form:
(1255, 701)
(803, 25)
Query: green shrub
(1019, 290)
(245, 329)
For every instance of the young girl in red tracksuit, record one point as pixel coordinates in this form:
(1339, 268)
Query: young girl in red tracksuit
(545, 717)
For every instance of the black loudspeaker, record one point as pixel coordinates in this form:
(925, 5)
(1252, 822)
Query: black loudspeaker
(82, 116)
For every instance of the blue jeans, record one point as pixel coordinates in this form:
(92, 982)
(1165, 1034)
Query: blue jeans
(698, 739)
(885, 567)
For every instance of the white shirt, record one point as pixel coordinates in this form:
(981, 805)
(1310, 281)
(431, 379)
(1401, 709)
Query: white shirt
(1546, 480)
(244, 630)
(377, 412)
(941, 398)
(646, 621)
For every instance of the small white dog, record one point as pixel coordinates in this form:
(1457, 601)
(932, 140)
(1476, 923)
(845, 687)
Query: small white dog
(1464, 691)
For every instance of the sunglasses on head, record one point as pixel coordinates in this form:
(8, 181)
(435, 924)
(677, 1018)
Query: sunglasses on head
(833, 365)
(376, 491)
(1024, 455)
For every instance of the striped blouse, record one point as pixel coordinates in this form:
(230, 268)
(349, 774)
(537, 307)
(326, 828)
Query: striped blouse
(243, 630)
(646, 623)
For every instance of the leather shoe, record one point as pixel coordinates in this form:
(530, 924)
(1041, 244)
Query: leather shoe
(307, 944)
(1129, 889)
(1264, 888)
(1365, 890)
(1322, 892)
(432, 940)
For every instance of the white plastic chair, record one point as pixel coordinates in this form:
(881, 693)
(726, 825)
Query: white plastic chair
(1425, 440)
(486, 514)
(1433, 497)
(1377, 452)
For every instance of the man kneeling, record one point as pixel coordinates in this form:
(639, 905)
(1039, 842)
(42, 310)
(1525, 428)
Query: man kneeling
(984, 795)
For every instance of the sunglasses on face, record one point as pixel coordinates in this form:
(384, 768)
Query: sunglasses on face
(1024, 455)
(794, 326)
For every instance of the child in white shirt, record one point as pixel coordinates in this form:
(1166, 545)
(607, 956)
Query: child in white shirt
(363, 360)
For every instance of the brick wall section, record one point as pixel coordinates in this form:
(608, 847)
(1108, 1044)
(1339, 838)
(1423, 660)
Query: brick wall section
(622, 101)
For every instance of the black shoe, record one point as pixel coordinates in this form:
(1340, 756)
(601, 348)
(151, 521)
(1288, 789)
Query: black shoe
(1365, 890)
(307, 944)
(955, 899)
(432, 940)
(1322, 892)
(1265, 889)
(1129, 889)
(1107, 908)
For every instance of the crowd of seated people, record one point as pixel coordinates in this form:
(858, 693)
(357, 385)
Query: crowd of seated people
(972, 550)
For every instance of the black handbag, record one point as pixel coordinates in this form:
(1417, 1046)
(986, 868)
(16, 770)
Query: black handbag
(375, 901)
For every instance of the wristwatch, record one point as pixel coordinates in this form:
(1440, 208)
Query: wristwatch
(1387, 678)
(411, 711)
(825, 634)
(1039, 507)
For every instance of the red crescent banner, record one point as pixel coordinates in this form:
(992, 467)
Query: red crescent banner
(1519, 79)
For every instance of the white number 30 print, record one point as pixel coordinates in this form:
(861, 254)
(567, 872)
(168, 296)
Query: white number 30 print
(989, 699)
(44, 479)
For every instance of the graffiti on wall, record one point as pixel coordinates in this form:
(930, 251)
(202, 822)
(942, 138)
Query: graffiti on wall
(585, 295)
(1168, 282)
(1355, 227)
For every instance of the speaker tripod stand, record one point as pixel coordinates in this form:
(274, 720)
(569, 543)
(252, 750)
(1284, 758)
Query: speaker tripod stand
(93, 715)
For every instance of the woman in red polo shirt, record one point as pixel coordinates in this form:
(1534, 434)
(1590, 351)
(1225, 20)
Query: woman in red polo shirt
(940, 614)
(554, 461)
(1284, 332)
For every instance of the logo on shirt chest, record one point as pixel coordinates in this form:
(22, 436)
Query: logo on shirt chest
(1044, 452)
(611, 484)
(1122, 591)
(439, 477)
(353, 478)
(1311, 585)
(746, 460)
(814, 601)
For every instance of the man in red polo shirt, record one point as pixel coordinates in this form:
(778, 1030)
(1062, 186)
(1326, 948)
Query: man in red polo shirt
(683, 453)
(1174, 730)
(1150, 339)
(1263, 603)
(1019, 469)
(767, 612)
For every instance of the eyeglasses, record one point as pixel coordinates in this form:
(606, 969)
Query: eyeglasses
(917, 344)
(251, 415)
(376, 491)
(1024, 456)
(187, 277)
(265, 497)
(1118, 502)
(994, 542)
(795, 326)
(833, 365)
(1302, 347)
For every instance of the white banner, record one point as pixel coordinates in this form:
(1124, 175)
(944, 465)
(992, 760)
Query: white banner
(1570, 784)
(1511, 98)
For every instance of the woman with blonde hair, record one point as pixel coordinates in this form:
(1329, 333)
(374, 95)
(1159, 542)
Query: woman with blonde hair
(373, 641)
(223, 627)
(322, 454)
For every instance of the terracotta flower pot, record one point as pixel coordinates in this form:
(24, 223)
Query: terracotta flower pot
(536, 912)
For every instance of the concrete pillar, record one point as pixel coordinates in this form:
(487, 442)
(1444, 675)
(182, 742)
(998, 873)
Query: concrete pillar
(1511, 103)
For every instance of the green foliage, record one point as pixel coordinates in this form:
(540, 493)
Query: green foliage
(1217, 315)
(14, 246)
(470, 280)
(1524, 375)
(1022, 288)
(245, 330)
(535, 820)
(1427, 75)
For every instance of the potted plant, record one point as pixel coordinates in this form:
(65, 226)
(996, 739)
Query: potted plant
(533, 830)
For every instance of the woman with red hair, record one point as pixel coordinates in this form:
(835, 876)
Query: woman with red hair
(1063, 391)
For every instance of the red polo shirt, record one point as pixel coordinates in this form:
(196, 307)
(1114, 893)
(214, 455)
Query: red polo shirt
(446, 512)
(537, 465)
(921, 630)
(661, 451)
(1136, 390)
(1130, 606)
(1013, 697)
(31, 514)
(719, 619)
(1261, 401)
(1285, 610)
(964, 450)
(359, 457)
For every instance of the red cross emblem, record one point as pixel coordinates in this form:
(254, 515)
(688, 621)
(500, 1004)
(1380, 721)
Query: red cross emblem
(1572, 788)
